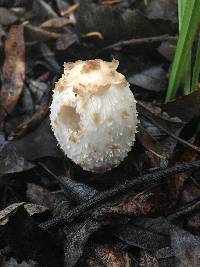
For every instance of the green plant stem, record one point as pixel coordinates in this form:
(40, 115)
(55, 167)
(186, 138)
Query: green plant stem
(196, 69)
(189, 26)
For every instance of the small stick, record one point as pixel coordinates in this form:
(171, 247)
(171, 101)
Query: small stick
(146, 179)
(136, 41)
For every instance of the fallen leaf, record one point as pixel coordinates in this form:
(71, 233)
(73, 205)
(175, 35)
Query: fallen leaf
(13, 69)
(162, 9)
(11, 161)
(38, 143)
(152, 79)
(186, 107)
(31, 123)
(66, 40)
(7, 17)
(9, 211)
(57, 23)
(76, 237)
(40, 195)
(138, 237)
(105, 255)
(186, 247)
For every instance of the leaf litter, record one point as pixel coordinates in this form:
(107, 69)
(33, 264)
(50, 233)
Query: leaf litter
(145, 212)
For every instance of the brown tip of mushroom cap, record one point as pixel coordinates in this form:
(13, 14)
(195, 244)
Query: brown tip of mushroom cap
(91, 77)
(89, 89)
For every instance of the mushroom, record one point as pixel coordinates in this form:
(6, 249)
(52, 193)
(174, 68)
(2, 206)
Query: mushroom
(93, 114)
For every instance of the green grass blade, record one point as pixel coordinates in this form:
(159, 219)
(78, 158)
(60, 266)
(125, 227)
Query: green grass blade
(186, 79)
(196, 69)
(189, 27)
(181, 9)
(187, 74)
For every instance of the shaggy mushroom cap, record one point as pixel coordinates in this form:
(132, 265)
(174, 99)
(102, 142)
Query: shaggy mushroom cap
(93, 114)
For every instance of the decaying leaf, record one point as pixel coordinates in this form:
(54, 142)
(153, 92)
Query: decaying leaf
(8, 211)
(76, 237)
(31, 123)
(7, 17)
(106, 255)
(11, 161)
(13, 69)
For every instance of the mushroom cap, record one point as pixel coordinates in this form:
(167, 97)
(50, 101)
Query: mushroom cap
(93, 114)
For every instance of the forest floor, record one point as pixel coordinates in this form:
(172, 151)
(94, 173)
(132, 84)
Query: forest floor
(146, 211)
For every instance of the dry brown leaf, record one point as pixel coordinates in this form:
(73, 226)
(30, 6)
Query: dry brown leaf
(13, 69)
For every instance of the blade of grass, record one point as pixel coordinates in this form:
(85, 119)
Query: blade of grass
(186, 79)
(189, 27)
(196, 69)
(187, 74)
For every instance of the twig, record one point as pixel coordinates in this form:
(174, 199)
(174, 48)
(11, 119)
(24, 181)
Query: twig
(185, 210)
(136, 41)
(121, 189)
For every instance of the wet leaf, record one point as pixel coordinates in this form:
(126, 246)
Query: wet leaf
(148, 260)
(186, 107)
(13, 69)
(167, 49)
(142, 238)
(148, 203)
(42, 10)
(186, 247)
(38, 143)
(9, 211)
(31, 123)
(162, 9)
(106, 256)
(57, 23)
(36, 34)
(40, 195)
(33, 209)
(78, 192)
(153, 79)
(66, 40)
(7, 17)
(76, 237)
(11, 161)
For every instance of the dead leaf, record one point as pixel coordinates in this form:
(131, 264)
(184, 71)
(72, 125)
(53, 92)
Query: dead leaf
(7, 17)
(11, 161)
(66, 40)
(38, 143)
(186, 107)
(152, 79)
(9, 211)
(13, 69)
(186, 247)
(162, 9)
(76, 237)
(106, 255)
(31, 123)
(57, 23)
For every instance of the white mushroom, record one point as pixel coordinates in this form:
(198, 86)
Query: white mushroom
(93, 114)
